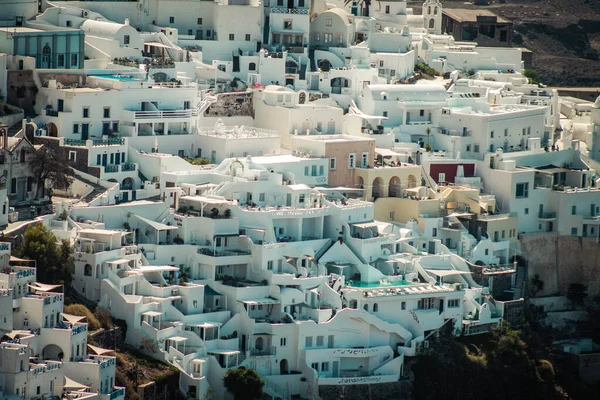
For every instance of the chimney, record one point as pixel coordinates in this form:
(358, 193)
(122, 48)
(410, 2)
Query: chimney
(4, 132)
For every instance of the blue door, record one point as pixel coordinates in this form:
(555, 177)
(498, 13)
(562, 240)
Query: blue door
(85, 131)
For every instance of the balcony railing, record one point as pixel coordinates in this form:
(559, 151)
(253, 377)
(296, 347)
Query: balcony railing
(117, 393)
(128, 167)
(51, 113)
(265, 351)
(108, 142)
(547, 215)
(281, 10)
(111, 168)
(166, 114)
(74, 142)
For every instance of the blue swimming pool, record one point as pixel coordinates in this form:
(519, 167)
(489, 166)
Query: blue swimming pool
(359, 284)
(118, 77)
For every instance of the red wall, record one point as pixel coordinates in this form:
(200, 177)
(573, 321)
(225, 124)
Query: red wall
(450, 171)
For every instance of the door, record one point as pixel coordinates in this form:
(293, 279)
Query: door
(541, 214)
(118, 158)
(335, 369)
(283, 367)
(133, 197)
(61, 105)
(431, 247)
(124, 197)
(104, 159)
(85, 131)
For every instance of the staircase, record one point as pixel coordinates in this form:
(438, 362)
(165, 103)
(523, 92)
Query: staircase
(97, 189)
(520, 282)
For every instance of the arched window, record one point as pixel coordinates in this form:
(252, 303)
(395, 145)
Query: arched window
(375, 307)
(431, 23)
(23, 152)
(46, 50)
(429, 10)
(366, 307)
(87, 270)
(435, 10)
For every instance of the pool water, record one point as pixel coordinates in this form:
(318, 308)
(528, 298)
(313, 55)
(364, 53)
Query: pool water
(118, 77)
(359, 284)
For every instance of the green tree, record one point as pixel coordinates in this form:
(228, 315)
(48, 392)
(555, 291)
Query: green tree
(244, 384)
(49, 165)
(577, 293)
(53, 260)
(533, 76)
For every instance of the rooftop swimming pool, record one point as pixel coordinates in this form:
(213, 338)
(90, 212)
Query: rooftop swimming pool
(118, 77)
(370, 285)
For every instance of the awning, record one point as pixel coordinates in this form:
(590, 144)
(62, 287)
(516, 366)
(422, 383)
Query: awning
(386, 152)
(260, 301)
(445, 272)
(99, 350)
(152, 313)
(263, 333)
(369, 117)
(156, 225)
(119, 261)
(208, 291)
(156, 44)
(73, 319)
(70, 384)
(365, 225)
(177, 339)
(17, 259)
(224, 352)
(156, 268)
(42, 287)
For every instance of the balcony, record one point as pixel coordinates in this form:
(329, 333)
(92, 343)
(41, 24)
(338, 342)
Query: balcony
(128, 167)
(264, 352)
(51, 113)
(160, 114)
(547, 216)
(111, 169)
(281, 10)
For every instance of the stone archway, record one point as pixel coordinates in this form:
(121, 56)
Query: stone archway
(412, 181)
(52, 352)
(395, 187)
(377, 190)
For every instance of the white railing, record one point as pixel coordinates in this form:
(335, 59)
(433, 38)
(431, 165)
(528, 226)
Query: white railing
(166, 114)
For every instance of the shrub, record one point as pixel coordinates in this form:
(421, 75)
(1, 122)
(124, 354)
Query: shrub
(104, 317)
(83, 311)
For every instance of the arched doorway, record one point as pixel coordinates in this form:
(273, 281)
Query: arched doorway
(52, 129)
(46, 57)
(412, 181)
(395, 187)
(360, 183)
(52, 352)
(291, 67)
(283, 367)
(128, 184)
(259, 344)
(377, 190)
(30, 131)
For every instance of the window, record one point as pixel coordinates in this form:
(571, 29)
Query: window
(74, 59)
(126, 39)
(106, 112)
(300, 3)
(317, 36)
(468, 148)
(492, 134)
(287, 24)
(403, 305)
(522, 190)
(573, 210)
(69, 24)
(30, 183)
(252, 66)
(526, 211)
(315, 366)
(573, 231)
(321, 170)
(328, 37)
(247, 37)
(319, 341)
(380, 63)
(305, 171)
(75, 128)
(190, 32)
(13, 185)
(387, 9)
(98, 159)
(392, 72)
(524, 130)
(199, 21)
(328, 21)
(279, 2)
(454, 303)
(308, 342)
(86, 112)
(476, 148)
(231, 36)
(283, 341)
(434, 232)
(503, 234)
(421, 113)
(261, 197)
(505, 132)
(375, 307)
(324, 366)
(171, 20)
(301, 198)
(61, 60)
(487, 252)
(385, 114)
(426, 304)
(529, 130)
(72, 156)
(270, 265)
(332, 163)
(22, 154)
(352, 160)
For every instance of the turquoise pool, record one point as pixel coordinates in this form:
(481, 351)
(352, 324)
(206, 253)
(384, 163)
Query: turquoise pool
(360, 284)
(118, 77)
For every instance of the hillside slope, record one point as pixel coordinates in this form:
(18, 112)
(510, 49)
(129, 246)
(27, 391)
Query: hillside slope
(564, 36)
